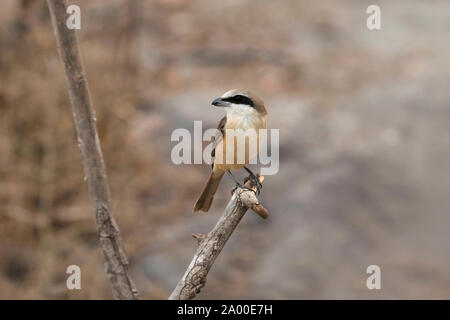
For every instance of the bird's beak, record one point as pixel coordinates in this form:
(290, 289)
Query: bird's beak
(219, 103)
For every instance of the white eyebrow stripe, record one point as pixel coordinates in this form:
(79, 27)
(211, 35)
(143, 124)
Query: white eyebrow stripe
(228, 94)
(232, 93)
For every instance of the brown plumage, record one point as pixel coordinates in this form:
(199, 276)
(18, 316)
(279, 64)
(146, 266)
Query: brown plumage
(244, 111)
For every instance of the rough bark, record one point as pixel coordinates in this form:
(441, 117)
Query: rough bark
(211, 245)
(89, 143)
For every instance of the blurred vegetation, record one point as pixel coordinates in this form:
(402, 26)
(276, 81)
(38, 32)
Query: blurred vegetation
(46, 218)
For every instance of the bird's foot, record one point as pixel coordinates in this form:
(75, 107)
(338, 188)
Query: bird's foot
(238, 185)
(255, 181)
(252, 176)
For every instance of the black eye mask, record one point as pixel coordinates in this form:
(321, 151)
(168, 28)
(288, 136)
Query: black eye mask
(240, 99)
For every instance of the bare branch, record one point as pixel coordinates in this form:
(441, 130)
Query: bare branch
(212, 244)
(89, 143)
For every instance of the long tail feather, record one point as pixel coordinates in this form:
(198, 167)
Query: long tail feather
(206, 197)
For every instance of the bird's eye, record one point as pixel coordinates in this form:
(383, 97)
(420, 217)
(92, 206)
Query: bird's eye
(240, 99)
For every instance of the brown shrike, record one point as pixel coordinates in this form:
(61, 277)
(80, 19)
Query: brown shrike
(244, 111)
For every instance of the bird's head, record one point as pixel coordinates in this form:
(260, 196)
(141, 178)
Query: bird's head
(242, 101)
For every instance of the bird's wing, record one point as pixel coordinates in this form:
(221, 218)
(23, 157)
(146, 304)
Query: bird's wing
(217, 139)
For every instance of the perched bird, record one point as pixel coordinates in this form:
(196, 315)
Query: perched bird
(244, 111)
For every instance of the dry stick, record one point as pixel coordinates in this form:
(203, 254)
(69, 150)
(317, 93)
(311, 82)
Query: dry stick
(211, 245)
(89, 143)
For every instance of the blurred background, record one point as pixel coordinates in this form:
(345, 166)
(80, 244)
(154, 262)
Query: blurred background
(364, 146)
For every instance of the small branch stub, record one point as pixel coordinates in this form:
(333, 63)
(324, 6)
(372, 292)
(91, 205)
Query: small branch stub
(260, 210)
(199, 237)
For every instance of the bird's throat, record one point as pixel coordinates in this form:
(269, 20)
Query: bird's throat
(244, 121)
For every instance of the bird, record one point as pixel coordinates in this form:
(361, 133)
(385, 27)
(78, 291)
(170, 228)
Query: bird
(244, 110)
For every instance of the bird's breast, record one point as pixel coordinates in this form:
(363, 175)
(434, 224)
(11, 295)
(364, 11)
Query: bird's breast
(242, 152)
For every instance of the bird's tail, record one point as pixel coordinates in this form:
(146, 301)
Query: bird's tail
(206, 197)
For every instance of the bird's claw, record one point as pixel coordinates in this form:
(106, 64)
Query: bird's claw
(258, 185)
(251, 176)
(238, 185)
(256, 182)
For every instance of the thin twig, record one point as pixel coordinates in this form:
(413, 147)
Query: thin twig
(89, 143)
(212, 244)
